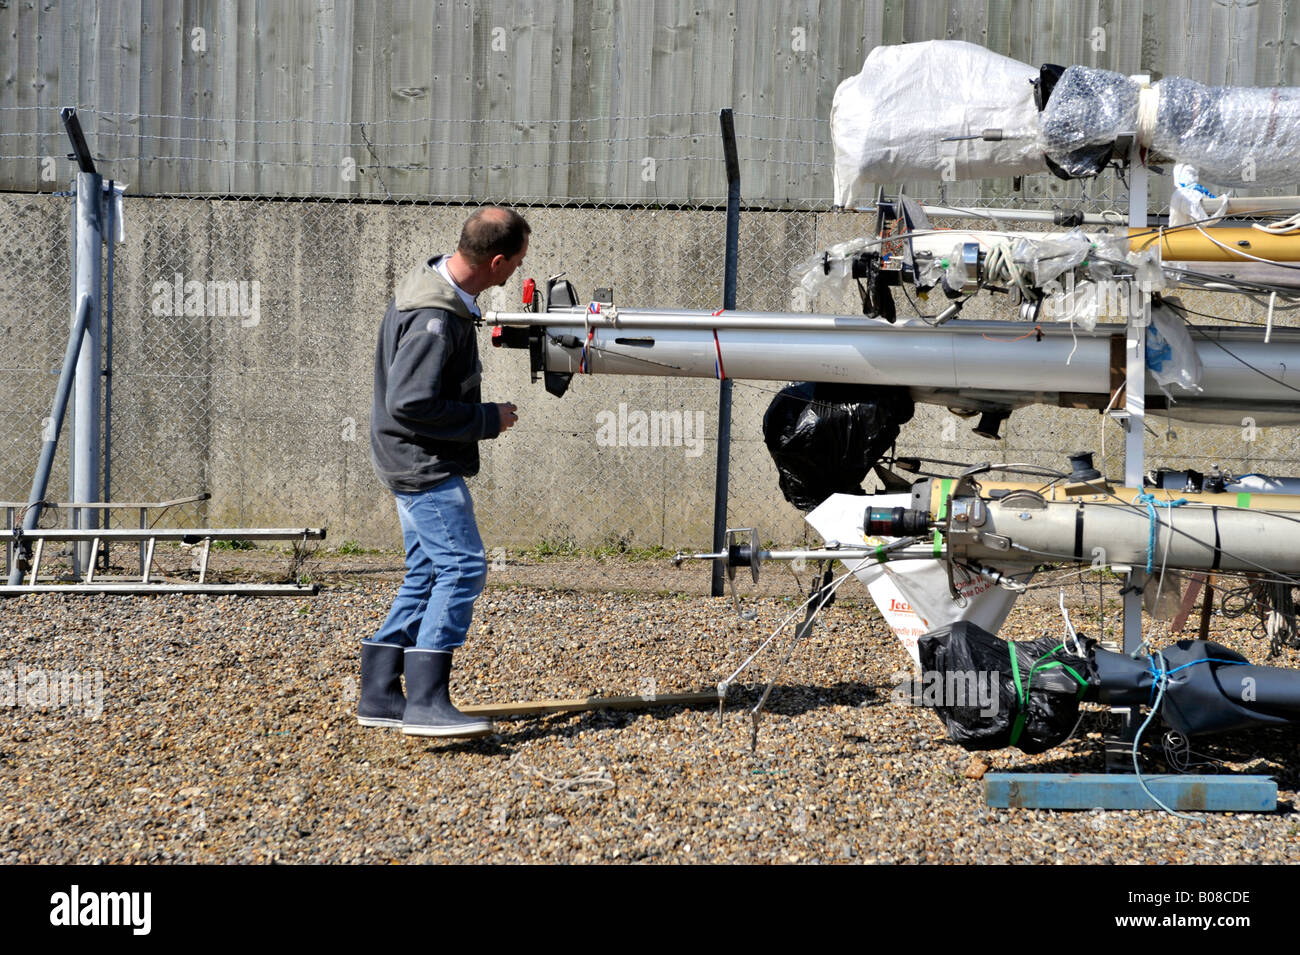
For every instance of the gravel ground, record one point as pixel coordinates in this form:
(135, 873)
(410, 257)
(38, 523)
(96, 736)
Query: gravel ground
(227, 735)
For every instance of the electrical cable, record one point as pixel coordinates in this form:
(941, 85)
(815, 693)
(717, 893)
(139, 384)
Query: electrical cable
(1178, 750)
(1227, 283)
(1234, 603)
(1195, 223)
(1005, 581)
(1164, 561)
(1246, 255)
(1000, 266)
(1079, 574)
(1285, 226)
(916, 307)
(1233, 321)
(1069, 628)
(1233, 355)
(1019, 467)
(1277, 308)
(799, 633)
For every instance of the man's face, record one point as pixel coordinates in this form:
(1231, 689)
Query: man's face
(503, 268)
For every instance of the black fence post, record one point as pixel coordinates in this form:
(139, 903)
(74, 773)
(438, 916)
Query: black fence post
(723, 469)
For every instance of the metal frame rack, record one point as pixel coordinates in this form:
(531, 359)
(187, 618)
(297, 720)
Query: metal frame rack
(86, 384)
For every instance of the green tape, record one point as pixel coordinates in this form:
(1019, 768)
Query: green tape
(1045, 662)
(1243, 500)
(881, 556)
(1018, 727)
(945, 491)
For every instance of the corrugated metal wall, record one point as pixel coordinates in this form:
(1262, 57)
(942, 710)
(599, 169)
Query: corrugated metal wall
(521, 99)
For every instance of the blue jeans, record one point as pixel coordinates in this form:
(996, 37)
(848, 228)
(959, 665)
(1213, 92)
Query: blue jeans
(445, 569)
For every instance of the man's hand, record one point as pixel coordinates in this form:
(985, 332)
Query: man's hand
(508, 416)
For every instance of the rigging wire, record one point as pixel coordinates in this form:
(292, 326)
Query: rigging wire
(1178, 752)
(835, 584)
(1233, 355)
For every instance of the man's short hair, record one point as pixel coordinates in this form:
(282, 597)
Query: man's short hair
(492, 231)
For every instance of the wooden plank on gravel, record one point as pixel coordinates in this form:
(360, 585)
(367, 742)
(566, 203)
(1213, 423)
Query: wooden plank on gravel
(582, 704)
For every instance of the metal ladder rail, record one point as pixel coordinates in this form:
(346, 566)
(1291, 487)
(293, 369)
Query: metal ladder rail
(73, 507)
(148, 540)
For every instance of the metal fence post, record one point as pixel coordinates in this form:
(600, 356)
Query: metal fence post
(110, 238)
(84, 455)
(722, 474)
(84, 452)
(32, 513)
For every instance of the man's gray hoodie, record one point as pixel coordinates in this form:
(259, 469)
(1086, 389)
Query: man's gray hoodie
(427, 417)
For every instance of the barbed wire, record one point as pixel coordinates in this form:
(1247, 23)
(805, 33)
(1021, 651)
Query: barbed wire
(492, 169)
(788, 163)
(538, 121)
(95, 110)
(415, 144)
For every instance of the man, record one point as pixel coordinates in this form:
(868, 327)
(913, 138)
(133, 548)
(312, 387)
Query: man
(424, 427)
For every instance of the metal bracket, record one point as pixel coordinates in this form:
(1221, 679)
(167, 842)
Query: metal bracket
(738, 553)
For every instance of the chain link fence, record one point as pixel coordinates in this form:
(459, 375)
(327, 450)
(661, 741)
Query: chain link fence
(243, 328)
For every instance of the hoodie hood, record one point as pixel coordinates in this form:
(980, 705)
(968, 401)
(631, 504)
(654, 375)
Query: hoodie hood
(424, 287)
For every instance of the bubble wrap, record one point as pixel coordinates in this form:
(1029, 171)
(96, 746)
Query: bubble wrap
(1234, 136)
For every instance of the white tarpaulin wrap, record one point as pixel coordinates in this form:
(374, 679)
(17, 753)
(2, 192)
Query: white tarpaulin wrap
(888, 122)
(912, 595)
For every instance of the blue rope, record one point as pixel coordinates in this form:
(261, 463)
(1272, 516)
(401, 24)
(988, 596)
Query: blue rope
(1184, 666)
(1161, 674)
(1150, 501)
(1157, 674)
(1161, 682)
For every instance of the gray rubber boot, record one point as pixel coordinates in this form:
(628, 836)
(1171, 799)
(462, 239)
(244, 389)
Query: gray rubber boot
(428, 703)
(381, 703)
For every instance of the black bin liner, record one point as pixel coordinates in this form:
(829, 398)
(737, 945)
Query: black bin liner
(1224, 693)
(962, 655)
(824, 438)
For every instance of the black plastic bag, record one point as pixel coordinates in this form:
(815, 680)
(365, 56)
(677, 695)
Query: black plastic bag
(963, 658)
(825, 438)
